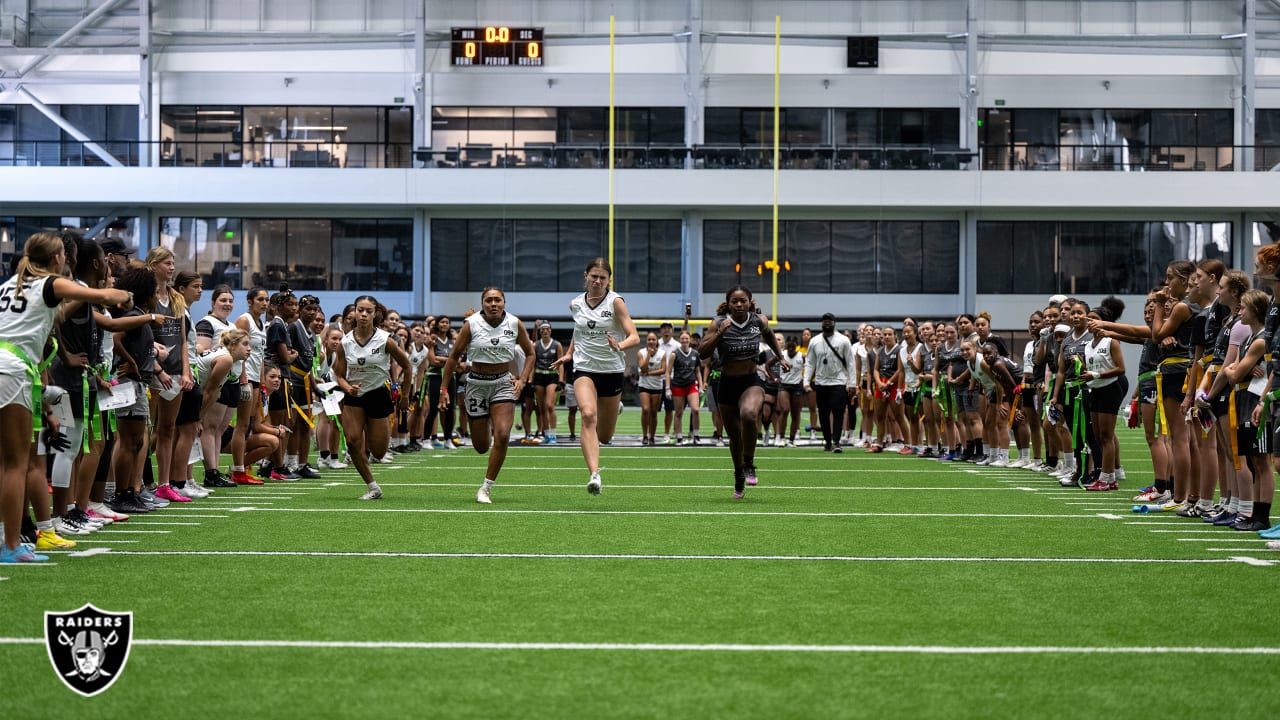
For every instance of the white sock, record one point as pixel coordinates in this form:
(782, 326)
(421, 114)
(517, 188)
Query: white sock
(290, 461)
(44, 525)
(1234, 505)
(374, 485)
(488, 482)
(1119, 473)
(1246, 508)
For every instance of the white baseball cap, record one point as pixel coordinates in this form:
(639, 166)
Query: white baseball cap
(1057, 299)
(1064, 329)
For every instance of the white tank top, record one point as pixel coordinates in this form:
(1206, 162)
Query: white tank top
(592, 327)
(257, 347)
(794, 376)
(417, 355)
(653, 382)
(368, 365)
(25, 319)
(910, 377)
(1029, 358)
(1097, 359)
(984, 377)
(204, 364)
(494, 344)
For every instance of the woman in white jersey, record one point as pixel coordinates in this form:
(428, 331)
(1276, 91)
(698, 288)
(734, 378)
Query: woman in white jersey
(417, 350)
(1104, 363)
(28, 305)
(654, 362)
(362, 370)
(602, 332)
(216, 420)
(489, 340)
(792, 397)
(250, 322)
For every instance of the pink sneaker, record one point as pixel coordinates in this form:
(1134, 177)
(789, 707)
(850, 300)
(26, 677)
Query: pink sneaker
(93, 515)
(168, 493)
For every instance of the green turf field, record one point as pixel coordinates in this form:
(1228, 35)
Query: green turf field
(842, 586)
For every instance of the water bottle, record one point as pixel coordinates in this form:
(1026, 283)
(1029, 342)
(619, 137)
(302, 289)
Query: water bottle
(1147, 508)
(1140, 509)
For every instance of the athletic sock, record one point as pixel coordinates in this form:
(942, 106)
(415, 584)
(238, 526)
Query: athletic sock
(1246, 508)
(1234, 505)
(1262, 511)
(1162, 486)
(488, 482)
(43, 525)
(1204, 504)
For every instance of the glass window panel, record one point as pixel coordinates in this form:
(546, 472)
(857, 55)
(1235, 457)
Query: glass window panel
(1084, 246)
(1213, 127)
(756, 239)
(395, 247)
(942, 127)
(533, 125)
(90, 120)
(722, 125)
(1035, 139)
(40, 139)
(218, 135)
(449, 255)
(805, 126)
(1034, 256)
(666, 125)
(666, 253)
(209, 246)
(995, 248)
(1173, 127)
(399, 150)
(266, 258)
(580, 241)
(899, 257)
(720, 252)
(806, 247)
(582, 126)
(757, 126)
(1121, 274)
(941, 261)
(861, 127)
(536, 251)
(177, 135)
(357, 136)
(8, 131)
(489, 254)
(632, 126)
(122, 132)
(631, 256)
(492, 126)
(311, 132)
(448, 127)
(356, 251)
(853, 257)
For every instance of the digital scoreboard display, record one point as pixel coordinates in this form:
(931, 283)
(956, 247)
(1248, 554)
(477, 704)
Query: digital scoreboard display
(496, 47)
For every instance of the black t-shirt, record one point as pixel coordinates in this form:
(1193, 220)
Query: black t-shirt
(140, 344)
(277, 332)
(304, 343)
(76, 335)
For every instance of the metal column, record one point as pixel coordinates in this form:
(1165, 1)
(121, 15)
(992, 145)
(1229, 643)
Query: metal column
(1248, 89)
(147, 154)
(421, 105)
(969, 86)
(695, 90)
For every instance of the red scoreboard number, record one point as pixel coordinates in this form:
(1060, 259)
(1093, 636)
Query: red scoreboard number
(496, 46)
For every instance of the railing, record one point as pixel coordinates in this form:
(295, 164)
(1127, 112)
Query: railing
(279, 153)
(1124, 157)
(320, 154)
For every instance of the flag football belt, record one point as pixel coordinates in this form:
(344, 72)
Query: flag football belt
(34, 371)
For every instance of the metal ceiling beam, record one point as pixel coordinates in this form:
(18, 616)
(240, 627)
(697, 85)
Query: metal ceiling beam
(146, 86)
(1248, 80)
(74, 30)
(71, 130)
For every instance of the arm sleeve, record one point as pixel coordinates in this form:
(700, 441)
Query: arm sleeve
(50, 297)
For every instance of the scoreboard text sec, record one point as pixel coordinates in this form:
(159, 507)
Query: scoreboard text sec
(496, 47)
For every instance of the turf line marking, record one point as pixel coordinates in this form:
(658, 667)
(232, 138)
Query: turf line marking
(1170, 521)
(255, 497)
(2, 579)
(90, 552)
(1255, 538)
(1190, 530)
(1109, 516)
(651, 557)
(688, 647)
(721, 486)
(193, 515)
(730, 513)
(152, 522)
(114, 531)
(81, 540)
(1238, 549)
(1256, 562)
(334, 484)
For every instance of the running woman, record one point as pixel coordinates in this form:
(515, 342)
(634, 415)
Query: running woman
(489, 339)
(362, 370)
(602, 333)
(737, 333)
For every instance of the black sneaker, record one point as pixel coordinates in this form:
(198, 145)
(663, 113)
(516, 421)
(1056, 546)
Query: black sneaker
(125, 501)
(836, 449)
(309, 473)
(827, 447)
(1250, 525)
(215, 479)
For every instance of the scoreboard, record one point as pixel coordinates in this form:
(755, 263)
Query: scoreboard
(496, 46)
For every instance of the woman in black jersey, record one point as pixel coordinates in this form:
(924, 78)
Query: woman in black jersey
(1267, 270)
(686, 369)
(437, 356)
(1218, 352)
(1069, 393)
(736, 334)
(176, 377)
(547, 379)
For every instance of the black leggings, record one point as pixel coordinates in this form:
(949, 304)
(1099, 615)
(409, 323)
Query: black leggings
(832, 401)
(433, 400)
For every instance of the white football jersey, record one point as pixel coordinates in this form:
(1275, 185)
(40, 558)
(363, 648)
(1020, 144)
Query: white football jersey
(204, 363)
(592, 326)
(25, 318)
(493, 344)
(257, 348)
(368, 365)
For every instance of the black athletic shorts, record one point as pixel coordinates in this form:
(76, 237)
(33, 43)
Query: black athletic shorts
(189, 410)
(607, 384)
(375, 403)
(733, 386)
(543, 379)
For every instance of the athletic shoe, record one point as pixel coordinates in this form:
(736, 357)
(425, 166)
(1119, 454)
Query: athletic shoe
(668, 440)
(751, 474)
(984, 460)
(49, 540)
(277, 476)
(437, 445)
(22, 554)
(127, 502)
(927, 453)
(594, 484)
(1225, 518)
(998, 462)
(552, 440)
(1250, 525)
(837, 449)
(1172, 506)
(1099, 486)
(453, 444)
(388, 458)
(482, 495)
(336, 464)
(240, 477)
(372, 495)
(1272, 534)
(1192, 510)
(826, 447)
(724, 441)
(80, 516)
(67, 526)
(288, 473)
(737, 495)
(102, 511)
(167, 492)
(307, 472)
(148, 497)
(875, 449)
(906, 450)
(189, 490)
(894, 447)
(1067, 481)
(215, 479)
(1151, 495)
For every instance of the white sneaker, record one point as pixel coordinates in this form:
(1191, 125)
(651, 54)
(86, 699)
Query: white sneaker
(893, 447)
(1000, 463)
(67, 528)
(1019, 463)
(387, 459)
(593, 485)
(375, 494)
(336, 464)
(482, 495)
(106, 512)
(985, 460)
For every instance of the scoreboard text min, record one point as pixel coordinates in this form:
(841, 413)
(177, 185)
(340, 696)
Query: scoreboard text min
(496, 47)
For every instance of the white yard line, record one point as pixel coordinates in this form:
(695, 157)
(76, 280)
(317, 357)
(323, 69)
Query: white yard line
(691, 647)
(730, 513)
(720, 486)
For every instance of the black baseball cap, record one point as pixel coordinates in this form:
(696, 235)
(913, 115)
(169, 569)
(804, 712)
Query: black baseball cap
(115, 247)
(828, 316)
